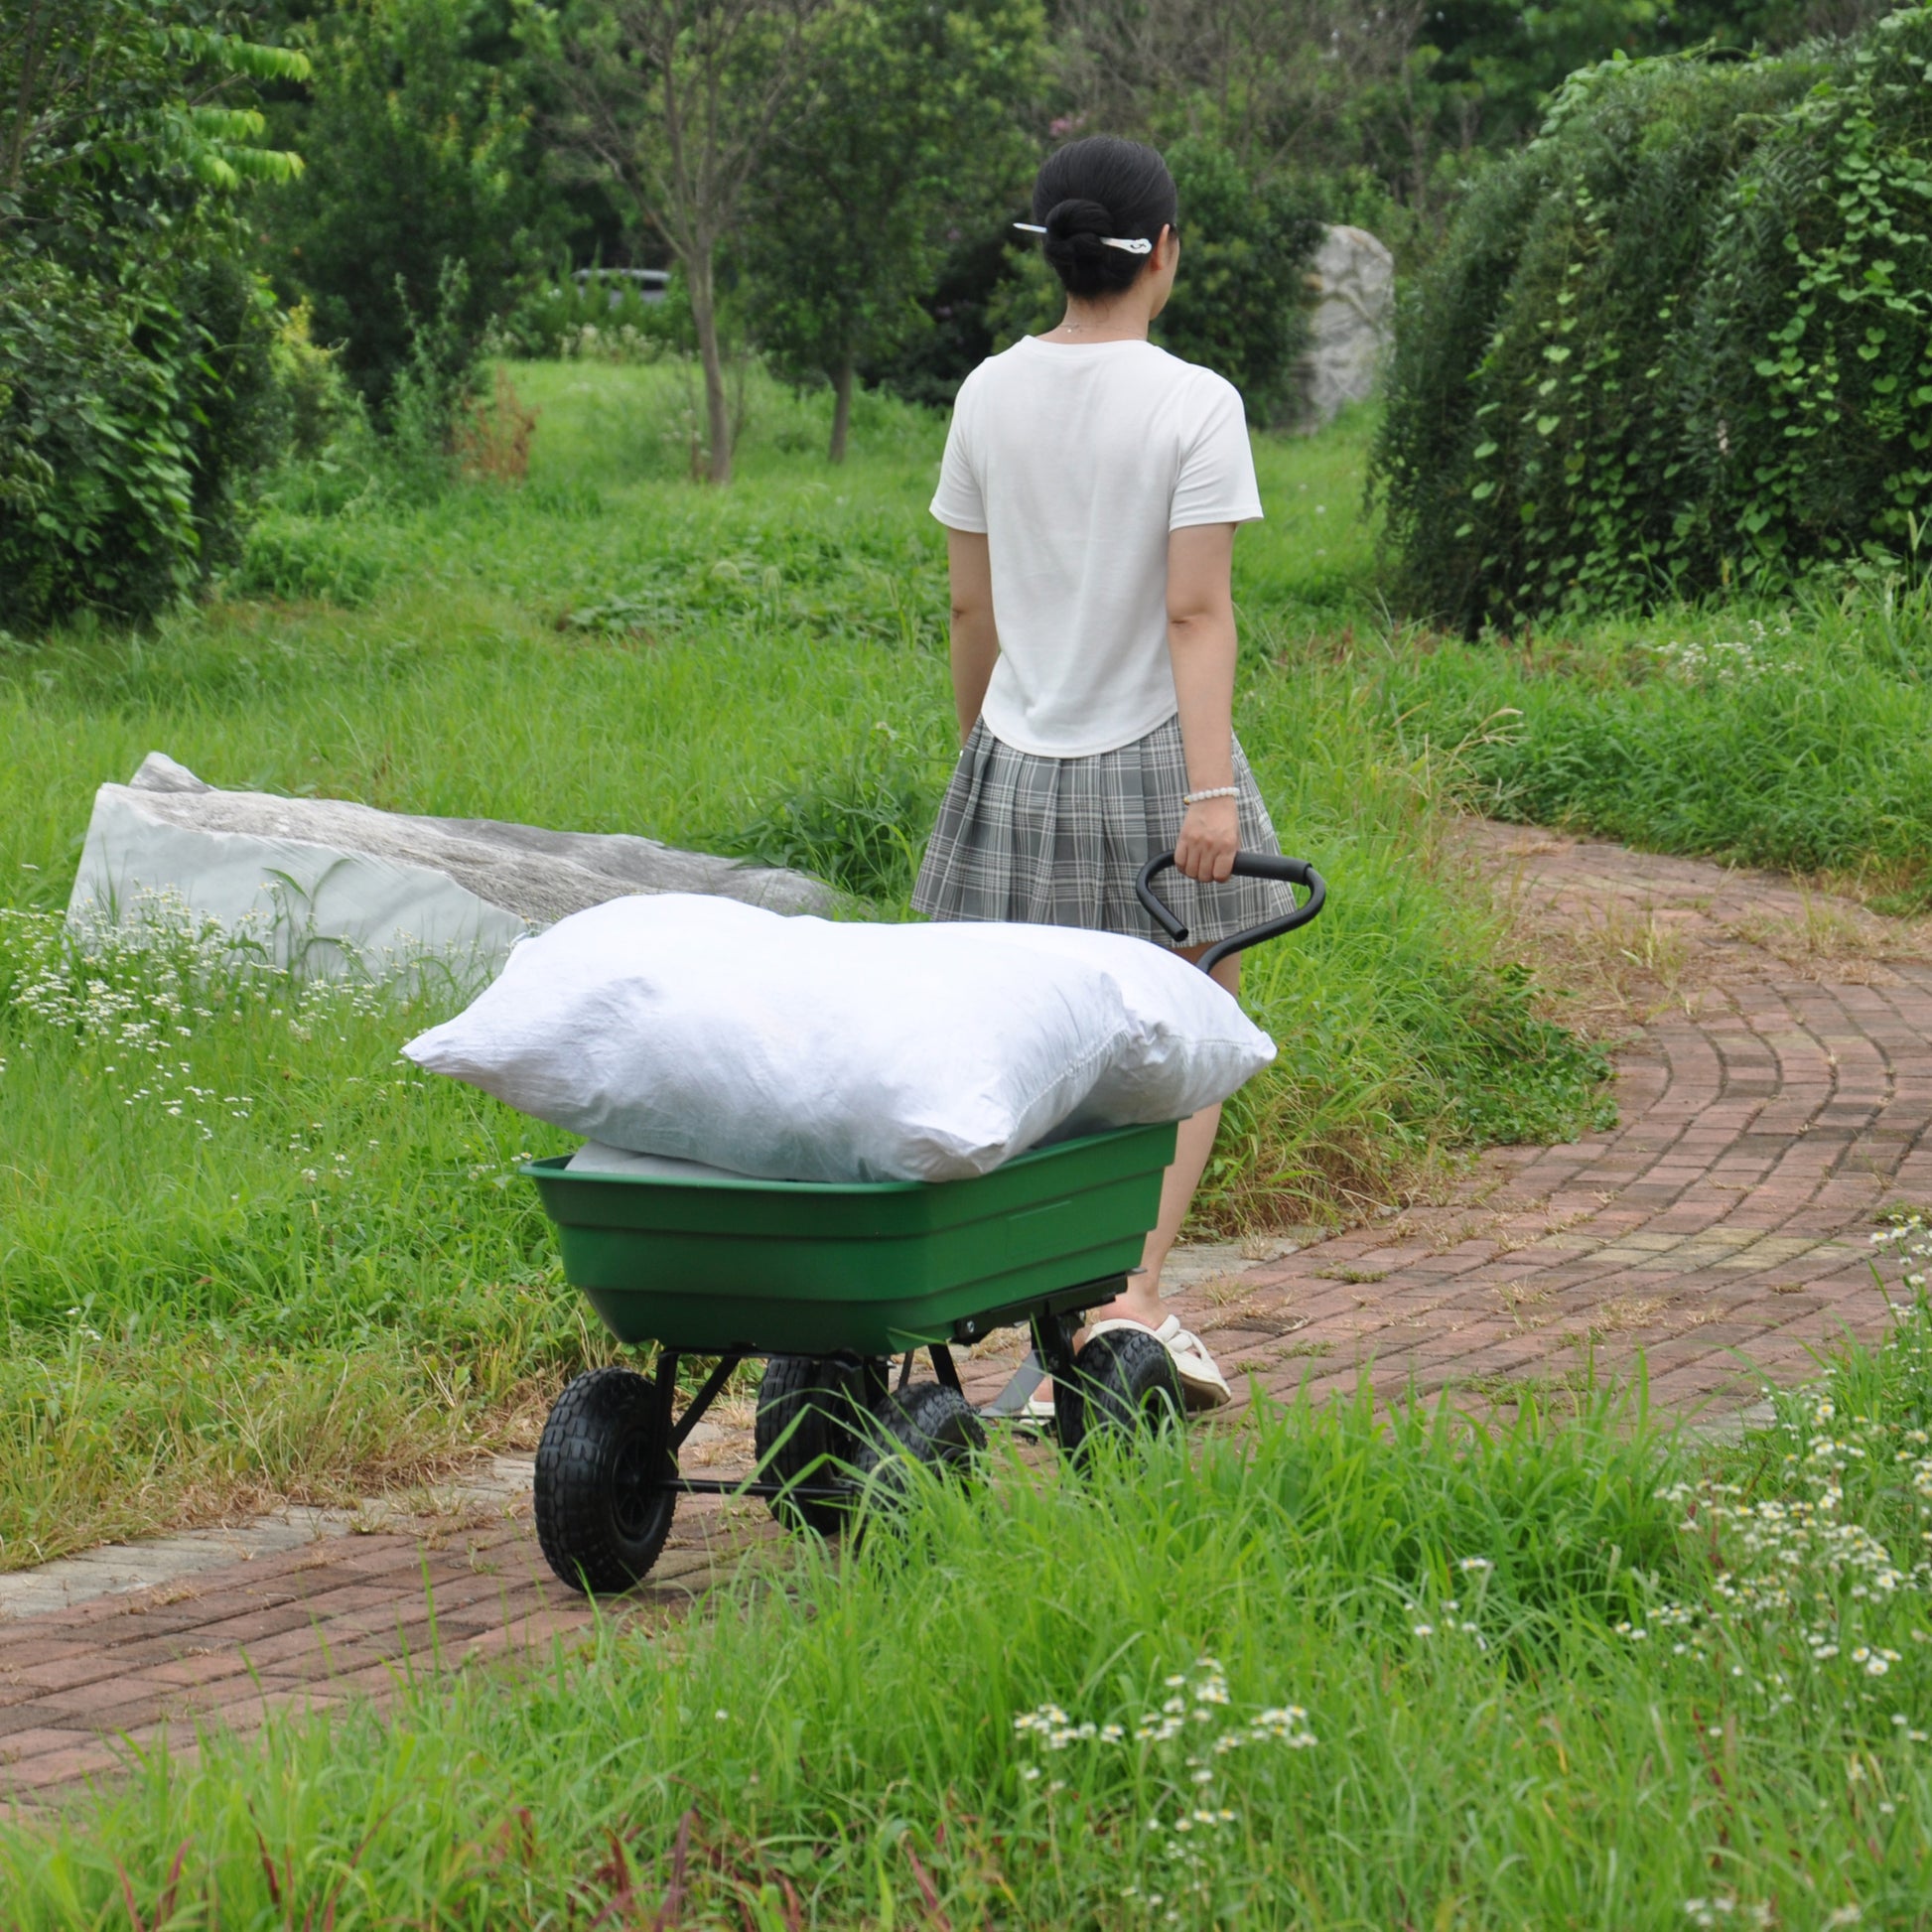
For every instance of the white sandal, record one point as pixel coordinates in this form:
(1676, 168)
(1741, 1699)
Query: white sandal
(1203, 1384)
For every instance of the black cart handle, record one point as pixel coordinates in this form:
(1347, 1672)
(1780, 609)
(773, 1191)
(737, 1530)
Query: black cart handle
(1247, 864)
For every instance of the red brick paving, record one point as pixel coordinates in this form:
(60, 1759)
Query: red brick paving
(1779, 1098)
(80, 1689)
(1722, 1228)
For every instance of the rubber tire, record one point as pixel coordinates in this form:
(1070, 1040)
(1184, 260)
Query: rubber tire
(600, 1519)
(927, 1423)
(1125, 1386)
(827, 1400)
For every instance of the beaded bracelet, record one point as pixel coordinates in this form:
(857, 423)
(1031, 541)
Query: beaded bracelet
(1215, 791)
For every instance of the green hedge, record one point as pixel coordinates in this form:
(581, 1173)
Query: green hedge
(1681, 343)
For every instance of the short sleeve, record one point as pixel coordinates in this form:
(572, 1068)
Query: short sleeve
(959, 502)
(1217, 484)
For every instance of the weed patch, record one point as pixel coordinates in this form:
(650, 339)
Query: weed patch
(863, 828)
(760, 671)
(1577, 1673)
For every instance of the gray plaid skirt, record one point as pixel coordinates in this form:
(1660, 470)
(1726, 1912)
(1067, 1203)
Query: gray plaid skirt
(1058, 841)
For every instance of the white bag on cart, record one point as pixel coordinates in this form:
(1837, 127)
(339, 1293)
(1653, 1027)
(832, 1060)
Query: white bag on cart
(804, 1049)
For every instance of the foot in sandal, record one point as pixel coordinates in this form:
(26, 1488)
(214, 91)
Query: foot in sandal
(1201, 1381)
(1202, 1384)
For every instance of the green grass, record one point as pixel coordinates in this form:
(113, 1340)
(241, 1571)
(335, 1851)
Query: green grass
(1796, 737)
(330, 1282)
(1577, 1675)
(1553, 1676)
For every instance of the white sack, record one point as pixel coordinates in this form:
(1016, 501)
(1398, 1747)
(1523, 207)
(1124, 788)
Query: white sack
(796, 1049)
(1191, 1044)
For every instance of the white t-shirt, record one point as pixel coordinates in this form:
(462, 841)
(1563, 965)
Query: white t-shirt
(1076, 460)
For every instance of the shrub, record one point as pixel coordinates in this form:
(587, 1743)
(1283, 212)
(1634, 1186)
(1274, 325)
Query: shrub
(298, 559)
(95, 506)
(318, 402)
(436, 388)
(601, 324)
(131, 423)
(1682, 343)
(493, 437)
(138, 388)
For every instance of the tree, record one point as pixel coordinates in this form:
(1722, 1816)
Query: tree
(136, 388)
(421, 155)
(675, 103)
(906, 136)
(1240, 302)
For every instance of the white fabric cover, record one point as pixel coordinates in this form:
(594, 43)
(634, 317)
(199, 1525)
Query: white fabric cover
(797, 1048)
(593, 1156)
(329, 885)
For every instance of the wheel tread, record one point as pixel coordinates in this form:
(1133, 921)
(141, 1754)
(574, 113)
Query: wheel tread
(575, 1517)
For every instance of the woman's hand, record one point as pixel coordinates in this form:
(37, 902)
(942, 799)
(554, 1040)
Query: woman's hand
(1210, 836)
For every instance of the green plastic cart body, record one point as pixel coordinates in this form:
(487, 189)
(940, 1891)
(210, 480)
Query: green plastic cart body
(708, 1266)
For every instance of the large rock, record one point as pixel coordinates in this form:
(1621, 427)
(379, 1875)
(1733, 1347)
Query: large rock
(1351, 328)
(329, 883)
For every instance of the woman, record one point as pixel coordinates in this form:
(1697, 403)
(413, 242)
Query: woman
(1090, 490)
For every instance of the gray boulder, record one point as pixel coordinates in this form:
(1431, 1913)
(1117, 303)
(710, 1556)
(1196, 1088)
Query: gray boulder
(1351, 327)
(327, 884)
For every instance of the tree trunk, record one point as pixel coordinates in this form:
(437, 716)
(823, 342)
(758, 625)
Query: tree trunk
(841, 409)
(704, 319)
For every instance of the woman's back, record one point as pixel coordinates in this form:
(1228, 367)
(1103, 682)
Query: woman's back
(1077, 461)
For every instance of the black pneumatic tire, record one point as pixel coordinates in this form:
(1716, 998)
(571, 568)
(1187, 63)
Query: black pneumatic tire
(810, 1410)
(602, 1513)
(1124, 1383)
(928, 1424)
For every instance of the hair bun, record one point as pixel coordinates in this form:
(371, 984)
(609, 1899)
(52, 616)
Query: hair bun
(1095, 190)
(1075, 229)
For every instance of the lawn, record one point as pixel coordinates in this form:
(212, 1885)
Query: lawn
(247, 1254)
(1342, 1670)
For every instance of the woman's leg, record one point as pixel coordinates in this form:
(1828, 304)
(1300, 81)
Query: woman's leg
(1141, 1302)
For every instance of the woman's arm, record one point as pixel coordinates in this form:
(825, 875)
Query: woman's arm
(1200, 642)
(975, 641)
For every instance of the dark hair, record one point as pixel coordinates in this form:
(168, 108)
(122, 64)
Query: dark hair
(1102, 187)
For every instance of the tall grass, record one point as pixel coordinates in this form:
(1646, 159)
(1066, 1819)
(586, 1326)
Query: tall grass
(248, 1252)
(608, 648)
(1797, 736)
(1349, 1671)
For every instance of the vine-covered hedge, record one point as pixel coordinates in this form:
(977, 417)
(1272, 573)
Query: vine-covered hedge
(138, 390)
(1682, 343)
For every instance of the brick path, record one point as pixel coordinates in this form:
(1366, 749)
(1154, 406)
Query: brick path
(1778, 1093)
(1776, 1090)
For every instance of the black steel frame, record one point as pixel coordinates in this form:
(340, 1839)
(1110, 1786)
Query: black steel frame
(1053, 1317)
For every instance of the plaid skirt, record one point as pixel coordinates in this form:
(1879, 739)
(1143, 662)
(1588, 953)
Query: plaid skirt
(1058, 841)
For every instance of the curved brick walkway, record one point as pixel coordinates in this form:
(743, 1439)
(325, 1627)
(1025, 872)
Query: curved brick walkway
(1775, 1088)
(1777, 1093)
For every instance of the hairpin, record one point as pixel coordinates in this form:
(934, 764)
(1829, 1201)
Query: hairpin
(1135, 248)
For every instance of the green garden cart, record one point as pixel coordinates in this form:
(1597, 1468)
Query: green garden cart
(828, 1283)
